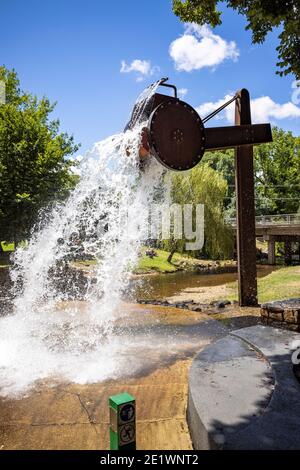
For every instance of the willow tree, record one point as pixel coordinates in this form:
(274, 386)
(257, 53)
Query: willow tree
(203, 185)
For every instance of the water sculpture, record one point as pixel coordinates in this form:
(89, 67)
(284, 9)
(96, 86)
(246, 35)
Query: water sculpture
(177, 137)
(48, 337)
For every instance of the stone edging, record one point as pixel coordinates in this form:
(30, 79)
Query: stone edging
(282, 314)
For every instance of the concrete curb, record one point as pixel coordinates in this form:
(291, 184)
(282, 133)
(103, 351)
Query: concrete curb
(243, 393)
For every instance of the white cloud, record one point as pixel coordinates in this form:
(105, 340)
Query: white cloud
(142, 68)
(199, 47)
(137, 65)
(182, 92)
(263, 109)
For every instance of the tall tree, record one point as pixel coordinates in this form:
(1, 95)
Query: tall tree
(277, 174)
(262, 17)
(35, 163)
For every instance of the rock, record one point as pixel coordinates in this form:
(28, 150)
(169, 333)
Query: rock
(291, 316)
(275, 309)
(278, 316)
(220, 305)
(195, 308)
(282, 314)
(264, 312)
(224, 302)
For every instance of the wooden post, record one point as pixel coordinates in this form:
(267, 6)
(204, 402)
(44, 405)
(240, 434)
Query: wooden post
(244, 184)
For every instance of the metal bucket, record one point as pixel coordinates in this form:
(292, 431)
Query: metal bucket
(174, 134)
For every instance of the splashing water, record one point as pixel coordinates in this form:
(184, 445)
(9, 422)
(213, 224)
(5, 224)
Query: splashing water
(47, 337)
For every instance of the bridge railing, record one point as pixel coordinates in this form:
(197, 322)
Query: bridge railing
(280, 219)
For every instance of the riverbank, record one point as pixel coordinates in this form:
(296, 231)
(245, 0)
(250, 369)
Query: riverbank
(282, 283)
(156, 261)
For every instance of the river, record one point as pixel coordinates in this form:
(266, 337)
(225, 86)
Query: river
(160, 286)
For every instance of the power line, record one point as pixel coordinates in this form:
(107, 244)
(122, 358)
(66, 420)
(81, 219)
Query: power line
(271, 185)
(271, 198)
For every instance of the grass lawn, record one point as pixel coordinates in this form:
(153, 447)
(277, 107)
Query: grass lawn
(146, 264)
(283, 283)
(159, 263)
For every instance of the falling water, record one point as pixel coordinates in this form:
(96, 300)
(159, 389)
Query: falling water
(47, 337)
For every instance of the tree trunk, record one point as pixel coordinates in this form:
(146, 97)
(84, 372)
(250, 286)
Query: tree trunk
(173, 251)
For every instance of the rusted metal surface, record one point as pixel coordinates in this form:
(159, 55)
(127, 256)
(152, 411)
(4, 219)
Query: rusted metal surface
(176, 135)
(142, 110)
(244, 182)
(232, 136)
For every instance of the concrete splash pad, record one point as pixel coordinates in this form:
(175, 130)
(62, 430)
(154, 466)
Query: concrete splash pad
(243, 393)
(63, 414)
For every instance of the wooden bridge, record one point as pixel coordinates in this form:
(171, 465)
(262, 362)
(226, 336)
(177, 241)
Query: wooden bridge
(276, 228)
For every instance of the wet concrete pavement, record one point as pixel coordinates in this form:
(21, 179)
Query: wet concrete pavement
(71, 416)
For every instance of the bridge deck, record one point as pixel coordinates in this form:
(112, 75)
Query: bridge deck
(275, 225)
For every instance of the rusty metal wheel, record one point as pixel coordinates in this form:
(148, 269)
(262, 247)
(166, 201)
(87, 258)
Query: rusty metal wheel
(176, 135)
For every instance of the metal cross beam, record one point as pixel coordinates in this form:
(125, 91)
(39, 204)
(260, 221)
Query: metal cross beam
(217, 138)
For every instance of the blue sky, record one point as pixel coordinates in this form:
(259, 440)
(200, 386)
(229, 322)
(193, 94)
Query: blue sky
(72, 50)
